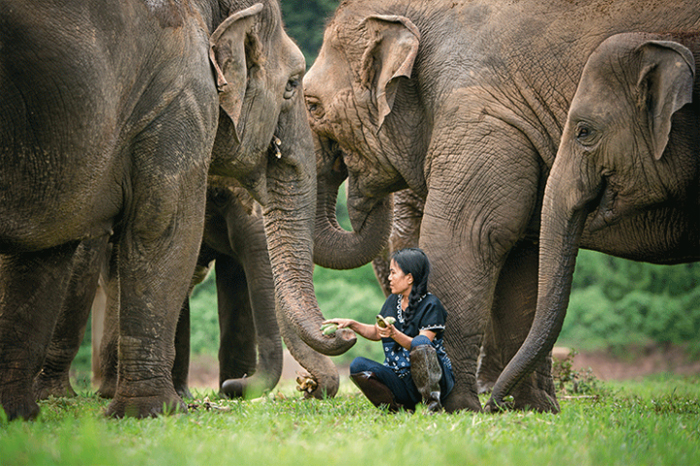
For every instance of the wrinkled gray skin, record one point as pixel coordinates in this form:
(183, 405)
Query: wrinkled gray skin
(235, 239)
(54, 377)
(628, 166)
(464, 103)
(110, 125)
(250, 342)
(249, 334)
(405, 233)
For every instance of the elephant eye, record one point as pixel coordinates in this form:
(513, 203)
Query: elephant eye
(291, 87)
(314, 107)
(584, 133)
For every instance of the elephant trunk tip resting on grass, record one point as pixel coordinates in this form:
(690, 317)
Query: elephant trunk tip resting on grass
(628, 166)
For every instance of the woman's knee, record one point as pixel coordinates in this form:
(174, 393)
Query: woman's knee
(360, 364)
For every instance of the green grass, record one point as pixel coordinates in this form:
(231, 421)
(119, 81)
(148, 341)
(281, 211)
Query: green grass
(653, 422)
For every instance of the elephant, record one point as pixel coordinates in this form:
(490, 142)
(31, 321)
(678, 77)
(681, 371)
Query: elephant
(113, 117)
(628, 168)
(53, 379)
(234, 240)
(464, 103)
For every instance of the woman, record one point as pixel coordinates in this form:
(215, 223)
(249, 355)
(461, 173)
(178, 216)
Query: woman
(416, 366)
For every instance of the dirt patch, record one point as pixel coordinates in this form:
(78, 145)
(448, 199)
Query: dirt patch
(638, 363)
(204, 370)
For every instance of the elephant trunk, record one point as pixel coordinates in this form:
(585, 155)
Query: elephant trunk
(336, 248)
(319, 367)
(289, 223)
(567, 202)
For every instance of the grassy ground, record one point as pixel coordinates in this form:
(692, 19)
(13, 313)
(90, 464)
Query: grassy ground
(652, 422)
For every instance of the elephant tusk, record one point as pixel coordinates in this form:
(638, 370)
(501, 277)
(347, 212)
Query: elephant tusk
(276, 143)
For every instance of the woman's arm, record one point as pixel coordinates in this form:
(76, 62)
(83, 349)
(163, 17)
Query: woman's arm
(368, 331)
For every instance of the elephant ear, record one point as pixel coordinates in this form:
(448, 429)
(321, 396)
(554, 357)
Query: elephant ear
(392, 50)
(232, 48)
(665, 84)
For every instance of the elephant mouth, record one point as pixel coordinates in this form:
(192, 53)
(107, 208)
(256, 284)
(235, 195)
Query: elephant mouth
(609, 208)
(333, 161)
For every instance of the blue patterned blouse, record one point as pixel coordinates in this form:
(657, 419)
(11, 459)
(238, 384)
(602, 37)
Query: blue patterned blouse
(430, 315)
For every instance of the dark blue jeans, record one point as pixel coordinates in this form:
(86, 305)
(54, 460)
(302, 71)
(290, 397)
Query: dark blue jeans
(404, 389)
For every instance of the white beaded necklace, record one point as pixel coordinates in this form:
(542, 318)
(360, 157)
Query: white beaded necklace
(399, 310)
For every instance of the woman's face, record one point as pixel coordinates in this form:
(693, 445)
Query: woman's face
(399, 282)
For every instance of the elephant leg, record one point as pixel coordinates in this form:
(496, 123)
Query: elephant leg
(261, 293)
(33, 287)
(490, 362)
(466, 287)
(54, 380)
(469, 228)
(109, 347)
(513, 311)
(181, 367)
(156, 257)
(237, 344)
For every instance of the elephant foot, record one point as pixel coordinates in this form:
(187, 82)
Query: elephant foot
(145, 406)
(57, 386)
(527, 397)
(248, 388)
(530, 395)
(234, 388)
(456, 401)
(183, 391)
(108, 388)
(24, 406)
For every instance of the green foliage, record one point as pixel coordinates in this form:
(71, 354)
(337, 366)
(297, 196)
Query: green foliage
(568, 380)
(305, 21)
(654, 422)
(204, 318)
(351, 294)
(616, 303)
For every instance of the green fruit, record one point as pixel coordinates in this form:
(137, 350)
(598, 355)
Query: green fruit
(384, 322)
(328, 330)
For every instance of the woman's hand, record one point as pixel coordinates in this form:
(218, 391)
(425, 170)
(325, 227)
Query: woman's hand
(341, 322)
(368, 331)
(389, 331)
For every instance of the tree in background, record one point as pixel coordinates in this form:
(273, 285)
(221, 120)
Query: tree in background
(616, 303)
(305, 21)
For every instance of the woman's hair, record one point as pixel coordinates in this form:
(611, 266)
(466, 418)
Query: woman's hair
(414, 261)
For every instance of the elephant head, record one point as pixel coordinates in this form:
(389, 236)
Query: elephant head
(627, 150)
(264, 141)
(351, 90)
